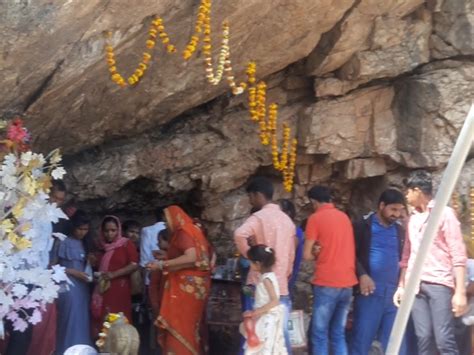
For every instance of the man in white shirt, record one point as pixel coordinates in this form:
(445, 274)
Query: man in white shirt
(149, 241)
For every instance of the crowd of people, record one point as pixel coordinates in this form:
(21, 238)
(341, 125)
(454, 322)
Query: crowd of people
(163, 273)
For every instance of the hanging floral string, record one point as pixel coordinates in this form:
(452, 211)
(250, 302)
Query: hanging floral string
(203, 13)
(284, 158)
(157, 29)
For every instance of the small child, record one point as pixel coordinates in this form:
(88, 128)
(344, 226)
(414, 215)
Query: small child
(268, 313)
(131, 230)
(155, 291)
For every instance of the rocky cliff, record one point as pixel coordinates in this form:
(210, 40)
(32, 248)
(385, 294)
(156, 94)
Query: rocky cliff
(373, 88)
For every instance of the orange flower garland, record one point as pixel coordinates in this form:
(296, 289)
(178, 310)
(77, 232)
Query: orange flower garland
(283, 161)
(155, 27)
(286, 160)
(203, 13)
(159, 29)
(212, 78)
(289, 173)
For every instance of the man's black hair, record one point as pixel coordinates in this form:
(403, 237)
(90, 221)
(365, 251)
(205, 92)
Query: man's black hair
(78, 219)
(261, 184)
(164, 234)
(160, 213)
(58, 185)
(392, 196)
(420, 179)
(288, 207)
(320, 193)
(130, 224)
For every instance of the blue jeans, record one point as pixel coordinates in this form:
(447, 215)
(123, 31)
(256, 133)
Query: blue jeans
(330, 309)
(374, 316)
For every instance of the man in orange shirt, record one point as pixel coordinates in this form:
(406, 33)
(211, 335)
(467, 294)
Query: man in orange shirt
(330, 230)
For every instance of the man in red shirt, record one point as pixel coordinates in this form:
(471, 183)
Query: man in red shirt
(330, 230)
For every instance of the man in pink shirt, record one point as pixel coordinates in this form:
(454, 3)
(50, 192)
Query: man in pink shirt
(442, 293)
(272, 227)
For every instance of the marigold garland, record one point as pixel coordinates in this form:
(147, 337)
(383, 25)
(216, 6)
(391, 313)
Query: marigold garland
(203, 13)
(157, 29)
(283, 161)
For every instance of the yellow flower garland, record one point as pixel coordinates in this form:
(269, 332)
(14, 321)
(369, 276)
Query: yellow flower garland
(157, 29)
(267, 121)
(203, 12)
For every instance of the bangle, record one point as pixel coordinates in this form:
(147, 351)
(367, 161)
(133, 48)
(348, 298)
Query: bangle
(160, 264)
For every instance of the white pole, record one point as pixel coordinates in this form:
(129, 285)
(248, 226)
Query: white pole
(450, 176)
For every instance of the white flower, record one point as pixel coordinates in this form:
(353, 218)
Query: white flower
(58, 173)
(59, 274)
(60, 236)
(10, 160)
(10, 181)
(19, 290)
(37, 173)
(26, 158)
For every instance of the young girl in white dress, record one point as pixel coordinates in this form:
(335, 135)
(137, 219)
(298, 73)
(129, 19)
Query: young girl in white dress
(267, 312)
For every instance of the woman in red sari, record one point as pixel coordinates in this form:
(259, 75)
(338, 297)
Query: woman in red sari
(187, 285)
(112, 294)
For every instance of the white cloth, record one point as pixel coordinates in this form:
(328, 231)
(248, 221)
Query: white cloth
(269, 327)
(261, 295)
(148, 243)
(80, 350)
(42, 242)
(468, 317)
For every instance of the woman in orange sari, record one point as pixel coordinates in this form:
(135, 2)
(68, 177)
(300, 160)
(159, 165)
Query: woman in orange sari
(187, 285)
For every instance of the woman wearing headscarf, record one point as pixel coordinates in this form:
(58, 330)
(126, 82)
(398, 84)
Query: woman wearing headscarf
(186, 289)
(112, 293)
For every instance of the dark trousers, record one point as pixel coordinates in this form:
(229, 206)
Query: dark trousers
(463, 337)
(18, 342)
(434, 320)
(374, 316)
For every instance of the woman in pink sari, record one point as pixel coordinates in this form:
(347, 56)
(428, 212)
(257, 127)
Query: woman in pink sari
(112, 294)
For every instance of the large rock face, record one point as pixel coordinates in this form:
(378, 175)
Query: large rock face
(53, 63)
(372, 88)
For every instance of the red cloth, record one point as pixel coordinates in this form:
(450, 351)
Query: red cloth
(335, 265)
(185, 291)
(43, 341)
(155, 291)
(118, 298)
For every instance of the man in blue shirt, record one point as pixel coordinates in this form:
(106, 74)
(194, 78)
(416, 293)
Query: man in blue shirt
(379, 241)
